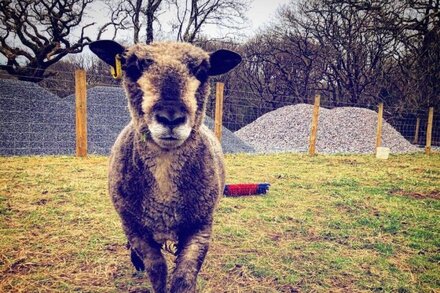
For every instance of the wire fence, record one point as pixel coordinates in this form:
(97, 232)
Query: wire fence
(342, 123)
(33, 120)
(40, 119)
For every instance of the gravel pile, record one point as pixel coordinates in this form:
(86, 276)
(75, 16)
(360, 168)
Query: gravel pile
(35, 121)
(230, 142)
(340, 130)
(107, 115)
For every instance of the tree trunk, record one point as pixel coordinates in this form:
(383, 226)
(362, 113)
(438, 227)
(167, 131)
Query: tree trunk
(136, 24)
(150, 11)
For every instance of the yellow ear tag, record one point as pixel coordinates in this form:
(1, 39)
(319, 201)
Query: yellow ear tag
(117, 70)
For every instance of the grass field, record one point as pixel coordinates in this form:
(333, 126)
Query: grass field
(328, 224)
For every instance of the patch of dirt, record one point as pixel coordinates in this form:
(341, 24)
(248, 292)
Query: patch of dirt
(115, 247)
(343, 283)
(275, 237)
(41, 202)
(287, 289)
(22, 266)
(435, 194)
(351, 162)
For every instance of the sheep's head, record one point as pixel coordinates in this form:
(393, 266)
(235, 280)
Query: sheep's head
(166, 84)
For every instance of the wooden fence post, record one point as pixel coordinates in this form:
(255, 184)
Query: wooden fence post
(416, 134)
(81, 113)
(219, 88)
(429, 130)
(314, 129)
(379, 126)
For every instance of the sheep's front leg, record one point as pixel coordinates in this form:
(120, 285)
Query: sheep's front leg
(154, 262)
(191, 254)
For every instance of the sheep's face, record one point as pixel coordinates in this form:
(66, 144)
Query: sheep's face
(167, 85)
(172, 78)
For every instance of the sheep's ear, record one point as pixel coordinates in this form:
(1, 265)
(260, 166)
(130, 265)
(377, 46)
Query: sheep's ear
(222, 61)
(106, 50)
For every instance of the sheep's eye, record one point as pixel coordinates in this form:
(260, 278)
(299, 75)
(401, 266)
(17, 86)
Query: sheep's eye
(135, 66)
(200, 71)
(143, 64)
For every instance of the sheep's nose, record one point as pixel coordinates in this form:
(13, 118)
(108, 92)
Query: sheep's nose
(170, 121)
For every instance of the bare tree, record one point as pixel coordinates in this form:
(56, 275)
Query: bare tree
(193, 15)
(282, 65)
(378, 50)
(353, 46)
(150, 14)
(118, 19)
(34, 34)
(133, 15)
(416, 24)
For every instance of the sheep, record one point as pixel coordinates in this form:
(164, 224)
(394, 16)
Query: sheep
(166, 170)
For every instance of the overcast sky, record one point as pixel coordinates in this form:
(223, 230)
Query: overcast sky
(260, 14)
(263, 11)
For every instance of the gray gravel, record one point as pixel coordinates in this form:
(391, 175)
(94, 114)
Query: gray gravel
(230, 142)
(35, 121)
(107, 115)
(340, 130)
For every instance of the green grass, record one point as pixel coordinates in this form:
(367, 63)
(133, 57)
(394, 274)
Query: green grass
(329, 224)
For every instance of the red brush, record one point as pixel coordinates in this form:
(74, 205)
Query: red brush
(243, 189)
